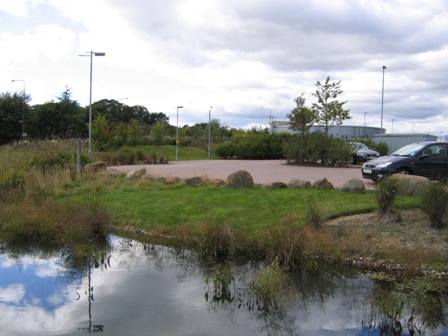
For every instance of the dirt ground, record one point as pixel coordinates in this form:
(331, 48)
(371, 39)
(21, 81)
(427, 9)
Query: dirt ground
(367, 237)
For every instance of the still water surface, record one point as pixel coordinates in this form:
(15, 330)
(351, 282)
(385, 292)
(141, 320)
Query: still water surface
(140, 289)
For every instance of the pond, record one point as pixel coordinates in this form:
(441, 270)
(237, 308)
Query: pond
(141, 289)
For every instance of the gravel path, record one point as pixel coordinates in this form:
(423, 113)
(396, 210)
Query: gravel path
(262, 171)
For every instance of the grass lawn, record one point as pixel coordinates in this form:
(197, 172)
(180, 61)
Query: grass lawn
(256, 209)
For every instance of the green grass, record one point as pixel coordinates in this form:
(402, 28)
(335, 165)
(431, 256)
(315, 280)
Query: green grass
(169, 151)
(247, 209)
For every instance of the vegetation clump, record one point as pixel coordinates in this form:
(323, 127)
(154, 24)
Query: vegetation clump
(435, 203)
(387, 192)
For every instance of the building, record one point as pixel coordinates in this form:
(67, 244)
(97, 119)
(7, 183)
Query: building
(342, 131)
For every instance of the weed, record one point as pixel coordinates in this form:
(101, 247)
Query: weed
(388, 189)
(435, 203)
(314, 214)
(217, 242)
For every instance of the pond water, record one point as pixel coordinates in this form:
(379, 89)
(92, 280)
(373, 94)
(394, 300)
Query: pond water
(142, 289)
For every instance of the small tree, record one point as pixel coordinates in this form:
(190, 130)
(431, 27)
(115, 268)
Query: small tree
(388, 189)
(330, 111)
(301, 118)
(157, 133)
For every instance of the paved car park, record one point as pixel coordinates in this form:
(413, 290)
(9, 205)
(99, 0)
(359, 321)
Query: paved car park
(262, 171)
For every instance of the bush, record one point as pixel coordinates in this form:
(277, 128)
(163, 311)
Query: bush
(435, 203)
(387, 192)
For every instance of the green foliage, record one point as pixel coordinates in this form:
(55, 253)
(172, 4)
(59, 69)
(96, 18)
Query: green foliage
(157, 133)
(435, 203)
(301, 118)
(381, 148)
(314, 147)
(218, 241)
(329, 110)
(272, 284)
(387, 192)
(254, 146)
(12, 111)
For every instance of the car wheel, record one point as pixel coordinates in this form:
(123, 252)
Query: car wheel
(404, 171)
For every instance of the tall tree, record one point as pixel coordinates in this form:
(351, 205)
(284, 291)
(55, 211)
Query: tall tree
(329, 110)
(13, 111)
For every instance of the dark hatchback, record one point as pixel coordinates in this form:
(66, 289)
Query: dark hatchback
(428, 159)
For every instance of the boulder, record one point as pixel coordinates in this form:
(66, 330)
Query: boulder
(193, 181)
(299, 184)
(323, 184)
(411, 184)
(275, 185)
(136, 173)
(95, 167)
(113, 172)
(240, 179)
(216, 182)
(171, 180)
(353, 185)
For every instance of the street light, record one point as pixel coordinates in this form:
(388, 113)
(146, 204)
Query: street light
(382, 104)
(177, 131)
(365, 118)
(23, 106)
(413, 128)
(393, 126)
(91, 54)
(270, 114)
(209, 133)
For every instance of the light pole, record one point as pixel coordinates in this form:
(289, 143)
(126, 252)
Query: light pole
(91, 54)
(23, 106)
(270, 114)
(209, 133)
(393, 126)
(382, 104)
(365, 118)
(413, 128)
(177, 131)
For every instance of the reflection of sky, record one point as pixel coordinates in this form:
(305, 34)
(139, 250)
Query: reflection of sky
(140, 295)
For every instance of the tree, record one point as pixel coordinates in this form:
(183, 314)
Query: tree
(157, 133)
(301, 117)
(11, 115)
(62, 119)
(330, 111)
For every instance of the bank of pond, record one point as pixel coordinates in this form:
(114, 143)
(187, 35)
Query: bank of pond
(129, 287)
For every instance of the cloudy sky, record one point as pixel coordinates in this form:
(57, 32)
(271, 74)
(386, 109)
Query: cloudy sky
(248, 59)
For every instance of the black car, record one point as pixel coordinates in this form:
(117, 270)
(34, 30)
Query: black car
(426, 159)
(362, 153)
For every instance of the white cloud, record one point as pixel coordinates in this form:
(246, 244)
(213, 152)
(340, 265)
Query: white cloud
(12, 294)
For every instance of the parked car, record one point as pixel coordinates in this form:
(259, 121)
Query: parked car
(428, 159)
(362, 153)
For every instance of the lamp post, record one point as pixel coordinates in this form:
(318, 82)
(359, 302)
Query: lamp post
(382, 104)
(177, 131)
(393, 126)
(23, 106)
(365, 118)
(413, 128)
(270, 114)
(209, 133)
(91, 54)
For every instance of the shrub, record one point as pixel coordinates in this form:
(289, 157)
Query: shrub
(218, 242)
(314, 213)
(387, 192)
(435, 203)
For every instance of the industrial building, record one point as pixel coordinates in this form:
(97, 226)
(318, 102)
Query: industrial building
(394, 141)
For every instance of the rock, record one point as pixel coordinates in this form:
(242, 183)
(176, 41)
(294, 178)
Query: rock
(216, 182)
(136, 173)
(411, 184)
(193, 181)
(171, 180)
(95, 167)
(113, 172)
(275, 185)
(300, 184)
(323, 184)
(240, 179)
(353, 185)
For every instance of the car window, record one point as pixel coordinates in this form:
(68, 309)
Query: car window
(436, 151)
(409, 150)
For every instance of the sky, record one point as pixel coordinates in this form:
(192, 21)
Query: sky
(242, 62)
